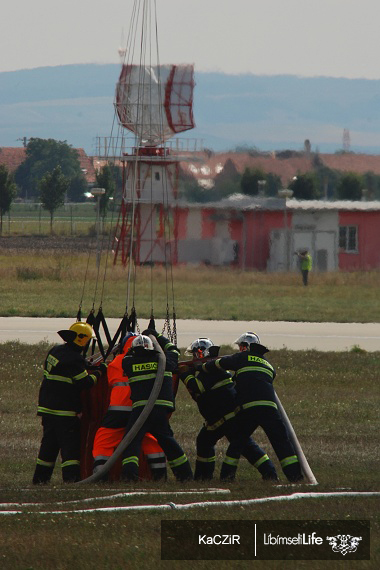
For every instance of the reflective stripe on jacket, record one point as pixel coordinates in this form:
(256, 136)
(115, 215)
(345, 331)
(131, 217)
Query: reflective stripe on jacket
(65, 376)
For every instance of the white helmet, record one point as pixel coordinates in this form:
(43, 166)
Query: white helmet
(200, 347)
(246, 339)
(143, 341)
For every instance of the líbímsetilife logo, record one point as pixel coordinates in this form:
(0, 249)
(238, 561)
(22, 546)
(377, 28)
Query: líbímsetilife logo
(344, 543)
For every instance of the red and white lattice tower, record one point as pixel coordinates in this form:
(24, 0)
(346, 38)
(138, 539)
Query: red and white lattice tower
(154, 103)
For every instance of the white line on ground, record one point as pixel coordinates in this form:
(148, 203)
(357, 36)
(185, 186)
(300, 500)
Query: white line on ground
(121, 495)
(167, 506)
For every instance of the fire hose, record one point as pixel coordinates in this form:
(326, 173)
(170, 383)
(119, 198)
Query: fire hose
(128, 438)
(305, 467)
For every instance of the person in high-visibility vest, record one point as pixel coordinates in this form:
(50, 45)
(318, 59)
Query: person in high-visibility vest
(59, 403)
(254, 377)
(112, 429)
(306, 264)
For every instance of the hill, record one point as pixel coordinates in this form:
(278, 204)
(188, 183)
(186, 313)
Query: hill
(75, 103)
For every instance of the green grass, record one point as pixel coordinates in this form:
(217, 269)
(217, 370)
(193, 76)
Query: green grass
(332, 400)
(40, 276)
(70, 219)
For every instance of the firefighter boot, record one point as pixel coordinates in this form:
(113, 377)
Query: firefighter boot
(71, 471)
(292, 469)
(229, 467)
(157, 465)
(266, 468)
(43, 472)
(204, 468)
(181, 469)
(130, 469)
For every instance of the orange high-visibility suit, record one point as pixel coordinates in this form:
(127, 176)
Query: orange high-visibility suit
(112, 429)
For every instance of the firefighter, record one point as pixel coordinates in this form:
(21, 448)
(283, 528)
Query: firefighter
(215, 396)
(112, 429)
(140, 365)
(254, 377)
(59, 403)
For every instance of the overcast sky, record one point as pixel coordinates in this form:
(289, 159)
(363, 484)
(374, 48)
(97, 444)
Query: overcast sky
(335, 38)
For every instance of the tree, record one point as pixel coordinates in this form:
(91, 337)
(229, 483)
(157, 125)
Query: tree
(350, 186)
(226, 182)
(250, 150)
(223, 189)
(43, 155)
(372, 184)
(273, 184)
(327, 178)
(189, 188)
(77, 188)
(53, 187)
(105, 178)
(8, 190)
(249, 183)
(192, 192)
(305, 186)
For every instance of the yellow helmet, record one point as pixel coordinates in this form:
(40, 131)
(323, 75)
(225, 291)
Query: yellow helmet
(84, 333)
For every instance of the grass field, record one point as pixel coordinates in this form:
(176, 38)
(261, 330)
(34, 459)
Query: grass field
(75, 219)
(332, 400)
(40, 276)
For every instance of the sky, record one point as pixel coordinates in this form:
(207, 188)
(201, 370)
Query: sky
(333, 38)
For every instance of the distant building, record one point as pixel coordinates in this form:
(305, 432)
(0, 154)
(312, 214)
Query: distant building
(264, 233)
(258, 233)
(285, 164)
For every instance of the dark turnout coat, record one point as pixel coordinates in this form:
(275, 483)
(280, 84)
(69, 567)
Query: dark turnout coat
(214, 394)
(65, 376)
(254, 375)
(141, 366)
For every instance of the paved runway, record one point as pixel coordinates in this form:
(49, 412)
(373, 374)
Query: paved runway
(275, 335)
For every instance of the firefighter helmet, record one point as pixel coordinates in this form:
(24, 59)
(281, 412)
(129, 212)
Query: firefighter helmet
(143, 341)
(84, 333)
(246, 339)
(199, 348)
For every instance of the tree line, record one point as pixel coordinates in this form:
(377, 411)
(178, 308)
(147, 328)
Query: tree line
(51, 173)
(320, 183)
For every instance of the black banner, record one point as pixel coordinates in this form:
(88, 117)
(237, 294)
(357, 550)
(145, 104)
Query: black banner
(265, 540)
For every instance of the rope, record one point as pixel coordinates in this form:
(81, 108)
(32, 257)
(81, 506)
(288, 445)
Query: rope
(144, 20)
(79, 314)
(132, 192)
(166, 208)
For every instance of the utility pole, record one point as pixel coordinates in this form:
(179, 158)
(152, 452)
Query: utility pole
(286, 193)
(346, 140)
(98, 193)
(24, 141)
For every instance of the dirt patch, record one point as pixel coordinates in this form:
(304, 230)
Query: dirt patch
(47, 243)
